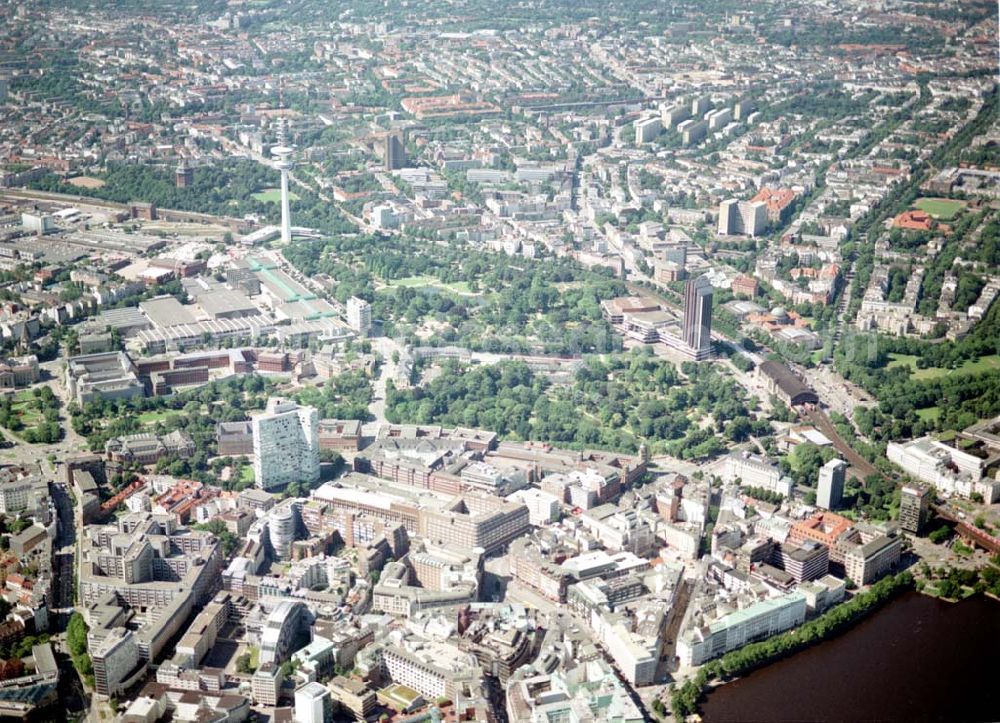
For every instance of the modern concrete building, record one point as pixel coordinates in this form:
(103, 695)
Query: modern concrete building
(586, 692)
(742, 218)
(21, 489)
(285, 445)
(313, 704)
(475, 521)
(951, 471)
(265, 685)
(830, 488)
(353, 696)
(754, 471)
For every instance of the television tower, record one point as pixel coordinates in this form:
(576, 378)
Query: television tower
(283, 162)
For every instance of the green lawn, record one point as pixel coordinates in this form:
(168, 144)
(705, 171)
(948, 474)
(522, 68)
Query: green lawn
(982, 364)
(246, 474)
(930, 414)
(23, 405)
(418, 282)
(273, 195)
(150, 418)
(30, 416)
(942, 209)
(899, 360)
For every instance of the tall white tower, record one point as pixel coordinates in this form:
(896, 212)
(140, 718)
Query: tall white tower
(282, 153)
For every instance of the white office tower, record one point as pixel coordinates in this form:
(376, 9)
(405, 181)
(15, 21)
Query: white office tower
(830, 488)
(359, 315)
(311, 703)
(283, 153)
(742, 218)
(285, 445)
(281, 527)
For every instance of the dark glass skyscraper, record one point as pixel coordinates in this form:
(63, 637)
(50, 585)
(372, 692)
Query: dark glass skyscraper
(395, 152)
(697, 332)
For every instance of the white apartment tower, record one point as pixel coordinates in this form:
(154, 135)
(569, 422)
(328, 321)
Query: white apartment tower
(359, 315)
(285, 444)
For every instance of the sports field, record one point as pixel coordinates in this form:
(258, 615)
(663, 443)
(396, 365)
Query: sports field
(273, 195)
(86, 182)
(943, 209)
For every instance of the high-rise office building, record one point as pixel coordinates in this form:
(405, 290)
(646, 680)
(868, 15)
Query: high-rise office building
(697, 330)
(395, 152)
(115, 655)
(914, 507)
(742, 218)
(830, 489)
(285, 445)
(359, 315)
(282, 524)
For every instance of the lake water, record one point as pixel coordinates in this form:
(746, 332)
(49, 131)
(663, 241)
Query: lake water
(917, 659)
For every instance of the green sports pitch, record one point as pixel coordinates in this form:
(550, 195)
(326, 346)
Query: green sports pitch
(942, 209)
(273, 195)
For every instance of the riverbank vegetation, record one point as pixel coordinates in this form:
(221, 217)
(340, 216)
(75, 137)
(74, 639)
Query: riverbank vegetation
(955, 583)
(684, 699)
